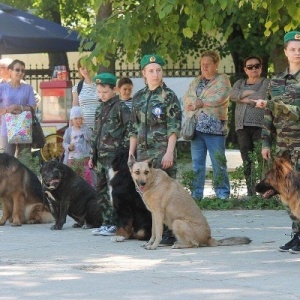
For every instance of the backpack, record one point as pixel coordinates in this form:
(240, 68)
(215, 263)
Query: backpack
(79, 86)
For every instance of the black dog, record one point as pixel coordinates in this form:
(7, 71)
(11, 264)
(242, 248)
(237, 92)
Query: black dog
(133, 218)
(69, 194)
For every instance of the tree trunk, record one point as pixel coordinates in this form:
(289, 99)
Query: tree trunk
(279, 59)
(104, 12)
(58, 59)
(61, 58)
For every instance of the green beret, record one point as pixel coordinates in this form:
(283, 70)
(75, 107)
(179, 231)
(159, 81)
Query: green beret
(291, 36)
(152, 58)
(105, 78)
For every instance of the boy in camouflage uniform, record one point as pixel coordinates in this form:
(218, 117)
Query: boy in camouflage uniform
(282, 119)
(110, 133)
(156, 121)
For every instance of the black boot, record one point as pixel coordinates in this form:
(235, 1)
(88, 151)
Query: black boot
(168, 238)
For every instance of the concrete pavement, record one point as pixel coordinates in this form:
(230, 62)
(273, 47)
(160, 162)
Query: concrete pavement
(37, 263)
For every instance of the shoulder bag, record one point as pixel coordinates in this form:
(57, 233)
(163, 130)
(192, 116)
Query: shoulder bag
(19, 128)
(38, 137)
(188, 127)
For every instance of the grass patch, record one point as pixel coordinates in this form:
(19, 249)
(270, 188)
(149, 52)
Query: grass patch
(255, 202)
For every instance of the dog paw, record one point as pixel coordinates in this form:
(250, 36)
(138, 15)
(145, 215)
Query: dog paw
(15, 224)
(77, 225)
(55, 227)
(117, 238)
(151, 247)
(85, 226)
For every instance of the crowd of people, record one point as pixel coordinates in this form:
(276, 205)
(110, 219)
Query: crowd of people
(105, 117)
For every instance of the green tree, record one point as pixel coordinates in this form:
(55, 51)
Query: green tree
(166, 23)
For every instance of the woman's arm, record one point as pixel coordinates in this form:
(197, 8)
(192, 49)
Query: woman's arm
(132, 145)
(216, 94)
(168, 159)
(75, 101)
(189, 99)
(237, 91)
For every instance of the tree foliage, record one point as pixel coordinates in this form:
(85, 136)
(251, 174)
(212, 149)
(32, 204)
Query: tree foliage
(167, 25)
(173, 28)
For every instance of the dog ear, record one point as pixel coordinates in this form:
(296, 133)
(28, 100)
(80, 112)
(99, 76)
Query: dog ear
(150, 162)
(131, 161)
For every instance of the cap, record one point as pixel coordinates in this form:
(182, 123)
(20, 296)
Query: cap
(76, 112)
(152, 58)
(105, 78)
(291, 36)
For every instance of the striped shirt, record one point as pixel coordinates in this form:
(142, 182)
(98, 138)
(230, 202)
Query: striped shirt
(88, 101)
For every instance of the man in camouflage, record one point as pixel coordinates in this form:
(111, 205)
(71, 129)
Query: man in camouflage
(112, 119)
(156, 120)
(282, 120)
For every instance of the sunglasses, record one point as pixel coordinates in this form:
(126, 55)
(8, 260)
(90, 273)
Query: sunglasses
(251, 67)
(19, 70)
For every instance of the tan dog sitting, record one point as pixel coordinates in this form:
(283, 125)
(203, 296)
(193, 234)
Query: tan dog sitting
(170, 204)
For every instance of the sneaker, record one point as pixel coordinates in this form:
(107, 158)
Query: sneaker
(295, 249)
(294, 242)
(99, 230)
(109, 230)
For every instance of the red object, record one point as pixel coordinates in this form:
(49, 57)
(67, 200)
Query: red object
(56, 101)
(56, 84)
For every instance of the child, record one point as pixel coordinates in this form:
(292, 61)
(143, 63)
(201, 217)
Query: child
(110, 134)
(125, 87)
(77, 144)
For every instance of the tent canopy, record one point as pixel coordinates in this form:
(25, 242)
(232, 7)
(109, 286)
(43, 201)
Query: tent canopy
(21, 32)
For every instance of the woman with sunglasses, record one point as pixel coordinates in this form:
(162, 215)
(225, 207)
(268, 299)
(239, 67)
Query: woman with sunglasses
(16, 96)
(248, 117)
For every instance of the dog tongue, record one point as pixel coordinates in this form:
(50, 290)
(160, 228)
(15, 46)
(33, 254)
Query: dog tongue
(53, 181)
(268, 194)
(142, 189)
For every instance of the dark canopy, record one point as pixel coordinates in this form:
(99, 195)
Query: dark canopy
(21, 32)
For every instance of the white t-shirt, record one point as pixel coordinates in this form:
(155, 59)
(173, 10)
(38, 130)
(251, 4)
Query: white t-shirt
(88, 101)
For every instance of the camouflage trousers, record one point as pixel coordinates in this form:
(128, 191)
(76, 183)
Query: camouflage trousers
(102, 188)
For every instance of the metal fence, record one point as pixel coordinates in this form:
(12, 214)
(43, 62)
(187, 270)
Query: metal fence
(36, 74)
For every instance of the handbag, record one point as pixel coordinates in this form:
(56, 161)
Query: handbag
(211, 125)
(188, 128)
(38, 137)
(19, 127)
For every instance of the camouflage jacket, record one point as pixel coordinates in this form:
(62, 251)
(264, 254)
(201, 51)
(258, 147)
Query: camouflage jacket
(281, 117)
(155, 116)
(111, 134)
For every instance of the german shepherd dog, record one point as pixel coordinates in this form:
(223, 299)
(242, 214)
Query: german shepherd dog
(172, 205)
(282, 180)
(69, 194)
(21, 194)
(133, 218)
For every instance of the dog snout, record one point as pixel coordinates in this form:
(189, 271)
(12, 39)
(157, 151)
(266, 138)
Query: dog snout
(142, 183)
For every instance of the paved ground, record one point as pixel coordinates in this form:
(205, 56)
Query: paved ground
(37, 263)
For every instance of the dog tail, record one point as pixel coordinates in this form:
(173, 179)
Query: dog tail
(243, 240)
(37, 213)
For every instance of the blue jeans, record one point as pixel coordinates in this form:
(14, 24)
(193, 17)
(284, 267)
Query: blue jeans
(215, 145)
